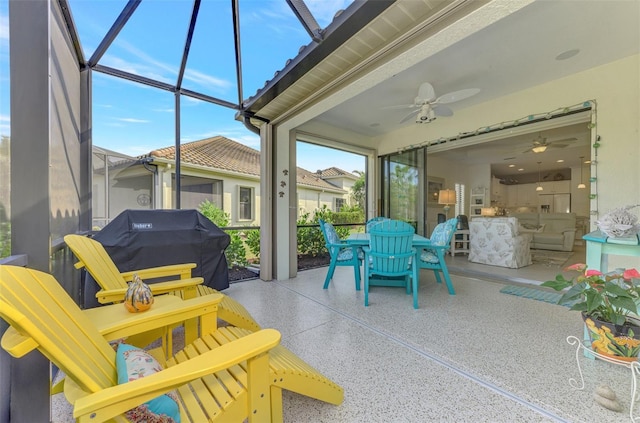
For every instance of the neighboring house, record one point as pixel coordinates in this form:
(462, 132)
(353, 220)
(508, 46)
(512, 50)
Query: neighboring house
(342, 179)
(217, 169)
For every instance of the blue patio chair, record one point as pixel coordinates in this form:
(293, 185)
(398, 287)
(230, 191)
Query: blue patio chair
(390, 259)
(374, 221)
(432, 257)
(341, 254)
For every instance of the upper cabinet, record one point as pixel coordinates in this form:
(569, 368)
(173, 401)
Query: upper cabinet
(556, 187)
(498, 192)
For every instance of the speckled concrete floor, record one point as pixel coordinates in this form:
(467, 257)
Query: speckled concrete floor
(478, 356)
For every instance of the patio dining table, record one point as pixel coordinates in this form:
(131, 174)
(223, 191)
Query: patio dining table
(359, 240)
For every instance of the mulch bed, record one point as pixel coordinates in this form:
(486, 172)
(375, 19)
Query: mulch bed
(304, 263)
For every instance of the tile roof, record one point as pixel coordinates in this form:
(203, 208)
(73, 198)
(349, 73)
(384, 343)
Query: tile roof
(222, 153)
(217, 152)
(333, 172)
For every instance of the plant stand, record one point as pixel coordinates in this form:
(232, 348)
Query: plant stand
(633, 366)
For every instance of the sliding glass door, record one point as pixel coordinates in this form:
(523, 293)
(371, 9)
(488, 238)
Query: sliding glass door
(402, 186)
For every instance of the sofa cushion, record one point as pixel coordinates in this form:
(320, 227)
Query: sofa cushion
(558, 222)
(549, 238)
(530, 228)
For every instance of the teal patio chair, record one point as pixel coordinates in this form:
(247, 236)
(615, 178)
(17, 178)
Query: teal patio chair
(341, 253)
(390, 259)
(374, 221)
(432, 257)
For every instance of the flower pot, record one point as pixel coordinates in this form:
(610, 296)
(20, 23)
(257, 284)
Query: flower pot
(621, 342)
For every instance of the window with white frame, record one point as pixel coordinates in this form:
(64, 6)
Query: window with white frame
(339, 203)
(245, 203)
(460, 206)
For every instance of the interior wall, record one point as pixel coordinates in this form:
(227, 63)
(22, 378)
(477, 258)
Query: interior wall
(615, 87)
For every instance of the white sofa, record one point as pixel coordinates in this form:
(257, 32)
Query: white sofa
(496, 241)
(551, 231)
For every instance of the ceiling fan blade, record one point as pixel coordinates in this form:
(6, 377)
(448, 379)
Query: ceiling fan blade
(400, 106)
(457, 96)
(441, 110)
(409, 116)
(426, 92)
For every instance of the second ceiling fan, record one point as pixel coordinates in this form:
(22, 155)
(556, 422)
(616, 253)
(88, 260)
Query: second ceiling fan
(540, 144)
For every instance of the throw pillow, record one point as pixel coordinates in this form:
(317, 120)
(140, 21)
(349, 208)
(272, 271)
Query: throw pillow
(134, 363)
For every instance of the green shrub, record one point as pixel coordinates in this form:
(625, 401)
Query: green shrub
(5, 233)
(236, 253)
(214, 214)
(253, 242)
(310, 240)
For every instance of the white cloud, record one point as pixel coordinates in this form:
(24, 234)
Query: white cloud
(206, 80)
(133, 120)
(5, 118)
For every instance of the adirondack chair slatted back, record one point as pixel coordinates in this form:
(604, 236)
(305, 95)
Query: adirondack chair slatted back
(374, 221)
(34, 303)
(391, 247)
(96, 260)
(341, 254)
(443, 232)
(433, 258)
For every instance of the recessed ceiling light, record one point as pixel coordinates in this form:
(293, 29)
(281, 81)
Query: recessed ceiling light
(512, 165)
(560, 161)
(567, 54)
(521, 169)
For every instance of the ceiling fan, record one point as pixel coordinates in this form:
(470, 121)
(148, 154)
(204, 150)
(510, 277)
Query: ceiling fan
(540, 144)
(427, 106)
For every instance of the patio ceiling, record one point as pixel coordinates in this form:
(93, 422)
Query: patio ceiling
(499, 46)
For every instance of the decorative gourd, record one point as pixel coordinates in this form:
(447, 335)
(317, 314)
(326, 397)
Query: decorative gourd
(138, 296)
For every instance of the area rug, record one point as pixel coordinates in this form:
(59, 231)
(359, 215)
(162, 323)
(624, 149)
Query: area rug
(554, 259)
(535, 294)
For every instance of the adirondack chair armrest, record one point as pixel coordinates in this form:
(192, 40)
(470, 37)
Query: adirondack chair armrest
(115, 322)
(339, 244)
(160, 288)
(108, 296)
(17, 344)
(116, 400)
(183, 270)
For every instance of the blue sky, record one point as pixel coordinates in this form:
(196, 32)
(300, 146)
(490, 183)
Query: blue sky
(135, 119)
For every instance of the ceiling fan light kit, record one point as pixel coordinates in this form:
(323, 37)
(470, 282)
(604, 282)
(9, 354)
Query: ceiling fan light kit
(428, 106)
(539, 149)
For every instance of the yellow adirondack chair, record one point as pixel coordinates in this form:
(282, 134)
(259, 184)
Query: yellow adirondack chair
(220, 377)
(92, 255)
(286, 370)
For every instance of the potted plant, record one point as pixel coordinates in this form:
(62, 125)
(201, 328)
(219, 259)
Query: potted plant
(609, 306)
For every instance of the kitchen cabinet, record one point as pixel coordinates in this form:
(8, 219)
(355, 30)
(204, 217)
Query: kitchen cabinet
(556, 187)
(527, 195)
(498, 192)
(512, 195)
